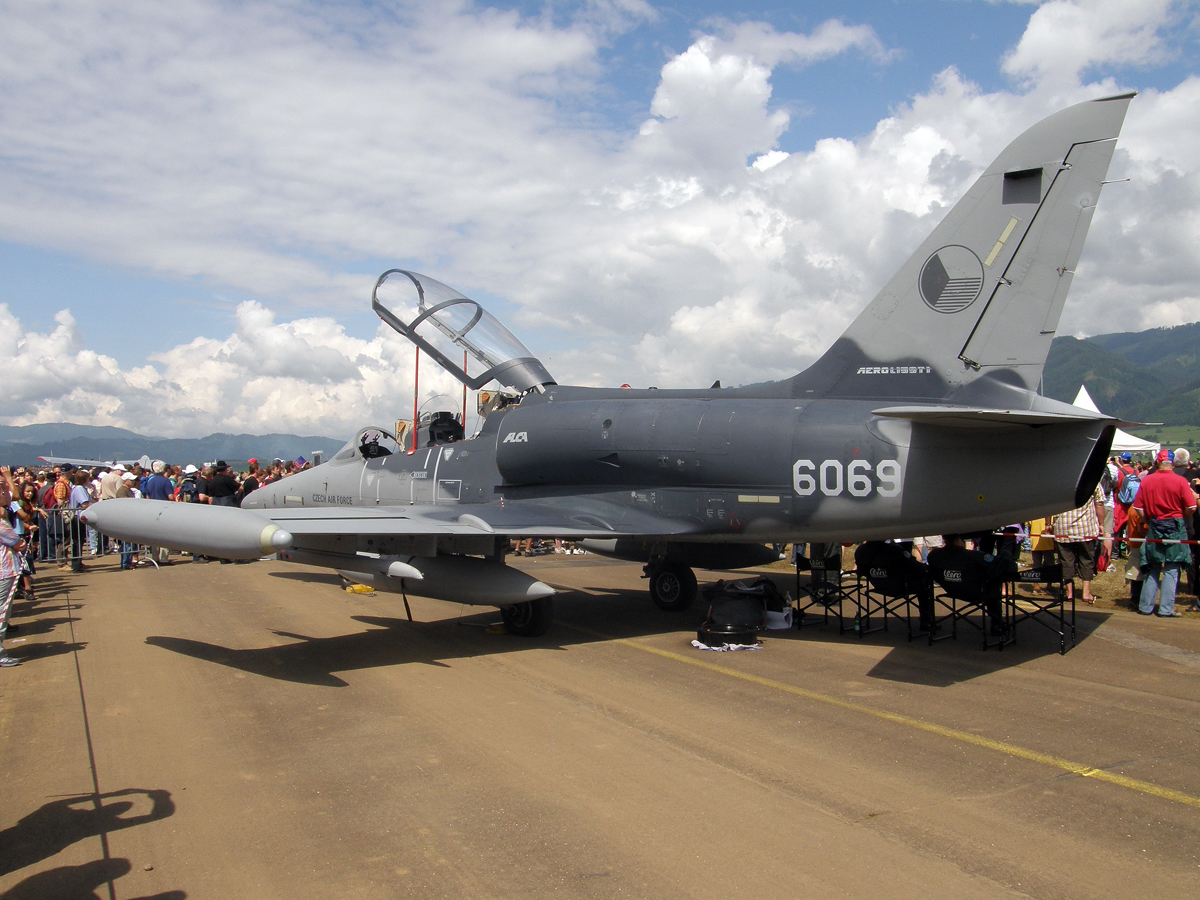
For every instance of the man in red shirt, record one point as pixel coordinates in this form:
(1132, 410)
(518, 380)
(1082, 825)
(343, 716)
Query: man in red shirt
(1163, 500)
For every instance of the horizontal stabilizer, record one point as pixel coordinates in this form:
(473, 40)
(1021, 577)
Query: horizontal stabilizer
(968, 416)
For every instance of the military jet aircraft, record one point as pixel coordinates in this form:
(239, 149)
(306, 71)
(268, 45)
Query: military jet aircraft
(923, 418)
(143, 461)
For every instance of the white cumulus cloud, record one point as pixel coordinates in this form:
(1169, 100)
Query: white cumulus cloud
(271, 149)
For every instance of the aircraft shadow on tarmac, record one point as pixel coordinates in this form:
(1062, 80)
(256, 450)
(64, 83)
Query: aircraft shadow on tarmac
(396, 641)
(313, 577)
(588, 615)
(58, 824)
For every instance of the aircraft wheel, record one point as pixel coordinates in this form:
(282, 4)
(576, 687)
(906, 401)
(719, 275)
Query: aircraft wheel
(672, 587)
(530, 619)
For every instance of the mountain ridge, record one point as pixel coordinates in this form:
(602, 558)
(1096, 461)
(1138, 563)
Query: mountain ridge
(1141, 376)
(23, 444)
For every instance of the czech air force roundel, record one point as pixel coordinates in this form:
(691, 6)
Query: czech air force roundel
(951, 279)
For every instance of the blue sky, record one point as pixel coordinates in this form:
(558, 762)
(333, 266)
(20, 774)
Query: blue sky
(211, 189)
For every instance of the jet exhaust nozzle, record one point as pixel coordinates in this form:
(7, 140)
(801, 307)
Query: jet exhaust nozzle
(222, 531)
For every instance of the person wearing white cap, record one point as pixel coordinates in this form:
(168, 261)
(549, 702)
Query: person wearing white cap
(128, 488)
(188, 490)
(110, 481)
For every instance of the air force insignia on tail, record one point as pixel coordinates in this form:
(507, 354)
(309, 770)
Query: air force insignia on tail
(951, 279)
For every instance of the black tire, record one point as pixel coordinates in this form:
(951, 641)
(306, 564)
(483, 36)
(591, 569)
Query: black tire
(672, 587)
(530, 619)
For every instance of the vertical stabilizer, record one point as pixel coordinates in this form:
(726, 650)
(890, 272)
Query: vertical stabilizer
(984, 292)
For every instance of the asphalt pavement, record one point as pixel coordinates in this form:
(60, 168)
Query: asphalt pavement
(254, 731)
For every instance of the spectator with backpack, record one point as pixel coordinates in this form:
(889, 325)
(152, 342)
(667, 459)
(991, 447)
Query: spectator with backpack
(188, 490)
(1164, 499)
(1125, 489)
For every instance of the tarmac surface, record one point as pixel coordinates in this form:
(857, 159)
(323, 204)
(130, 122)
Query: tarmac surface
(219, 731)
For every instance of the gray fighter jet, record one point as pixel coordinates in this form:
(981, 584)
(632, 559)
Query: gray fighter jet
(923, 418)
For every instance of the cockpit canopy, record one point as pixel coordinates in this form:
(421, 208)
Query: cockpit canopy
(447, 324)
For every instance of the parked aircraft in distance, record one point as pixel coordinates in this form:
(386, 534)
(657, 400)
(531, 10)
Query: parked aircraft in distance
(143, 461)
(923, 418)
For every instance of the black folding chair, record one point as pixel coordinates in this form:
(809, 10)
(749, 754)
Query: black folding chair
(824, 590)
(1049, 611)
(965, 591)
(887, 585)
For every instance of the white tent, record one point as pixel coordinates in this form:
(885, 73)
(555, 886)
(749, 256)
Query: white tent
(1122, 440)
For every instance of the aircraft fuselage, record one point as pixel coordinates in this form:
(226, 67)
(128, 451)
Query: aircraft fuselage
(735, 468)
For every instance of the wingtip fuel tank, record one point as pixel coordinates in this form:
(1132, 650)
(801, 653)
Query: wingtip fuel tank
(226, 532)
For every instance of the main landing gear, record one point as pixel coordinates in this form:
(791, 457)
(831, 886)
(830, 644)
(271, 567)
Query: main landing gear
(530, 619)
(672, 586)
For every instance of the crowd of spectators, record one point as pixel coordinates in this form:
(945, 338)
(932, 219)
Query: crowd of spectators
(40, 505)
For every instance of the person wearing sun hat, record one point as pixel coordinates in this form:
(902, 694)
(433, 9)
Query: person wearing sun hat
(1163, 501)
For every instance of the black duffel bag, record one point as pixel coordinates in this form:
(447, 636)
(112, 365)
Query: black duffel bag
(737, 611)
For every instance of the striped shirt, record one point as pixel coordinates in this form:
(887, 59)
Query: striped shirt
(1079, 524)
(10, 566)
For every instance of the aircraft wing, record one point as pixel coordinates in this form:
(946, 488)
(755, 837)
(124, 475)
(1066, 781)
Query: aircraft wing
(577, 518)
(92, 463)
(236, 533)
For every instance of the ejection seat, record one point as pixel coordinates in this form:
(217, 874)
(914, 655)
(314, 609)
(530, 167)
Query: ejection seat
(443, 428)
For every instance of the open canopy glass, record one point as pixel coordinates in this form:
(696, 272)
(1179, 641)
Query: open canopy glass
(446, 320)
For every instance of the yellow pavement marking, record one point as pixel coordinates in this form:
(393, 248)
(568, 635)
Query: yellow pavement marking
(1056, 762)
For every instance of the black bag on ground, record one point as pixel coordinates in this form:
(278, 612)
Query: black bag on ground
(737, 611)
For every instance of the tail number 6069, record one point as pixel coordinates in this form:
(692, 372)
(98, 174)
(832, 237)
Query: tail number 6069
(858, 478)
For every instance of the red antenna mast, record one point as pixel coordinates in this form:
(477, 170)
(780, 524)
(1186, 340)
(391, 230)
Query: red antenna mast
(416, 382)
